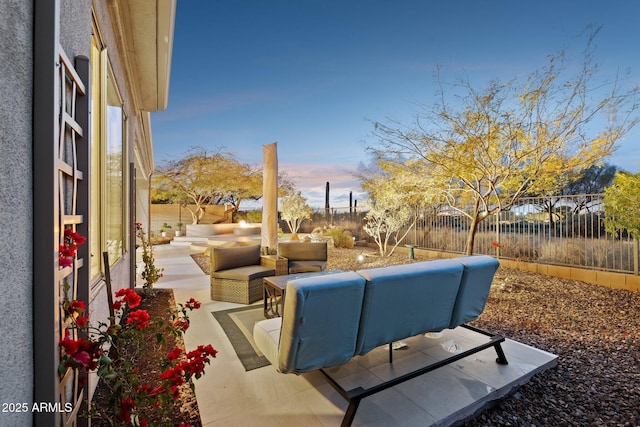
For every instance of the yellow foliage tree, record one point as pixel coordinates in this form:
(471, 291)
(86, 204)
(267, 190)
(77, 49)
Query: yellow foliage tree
(484, 150)
(204, 179)
(294, 210)
(394, 196)
(622, 204)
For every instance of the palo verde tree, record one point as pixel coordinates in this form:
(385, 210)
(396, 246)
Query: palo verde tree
(204, 179)
(622, 204)
(394, 198)
(294, 210)
(484, 149)
(622, 208)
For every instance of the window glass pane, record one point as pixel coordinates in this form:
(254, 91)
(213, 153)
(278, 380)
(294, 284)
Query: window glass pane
(114, 178)
(94, 178)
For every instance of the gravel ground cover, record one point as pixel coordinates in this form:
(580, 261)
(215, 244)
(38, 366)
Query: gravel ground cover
(594, 330)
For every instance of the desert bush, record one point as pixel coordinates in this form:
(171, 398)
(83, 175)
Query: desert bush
(341, 238)
(562, 251)
(254, 217)
(445, 239)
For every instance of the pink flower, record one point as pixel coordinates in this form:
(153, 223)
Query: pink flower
(82, 358)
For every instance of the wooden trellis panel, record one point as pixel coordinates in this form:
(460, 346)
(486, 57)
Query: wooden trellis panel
(71, 162)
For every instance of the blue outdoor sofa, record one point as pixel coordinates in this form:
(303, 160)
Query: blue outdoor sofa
(374, 307)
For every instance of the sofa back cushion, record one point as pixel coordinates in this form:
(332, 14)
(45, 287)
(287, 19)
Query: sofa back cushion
(405, 300)
(303, 251)
(228, 258)
(474, 288)
(320, 321)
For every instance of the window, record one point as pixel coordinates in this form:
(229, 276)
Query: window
(108, 232)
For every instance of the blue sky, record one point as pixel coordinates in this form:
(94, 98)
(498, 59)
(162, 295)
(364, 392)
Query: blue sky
(313, 75)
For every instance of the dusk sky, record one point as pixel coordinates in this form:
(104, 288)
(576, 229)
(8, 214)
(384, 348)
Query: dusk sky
(313, 75)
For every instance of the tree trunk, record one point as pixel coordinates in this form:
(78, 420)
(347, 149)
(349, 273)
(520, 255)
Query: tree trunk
(194, 216)
(471, 237)
(225, 215)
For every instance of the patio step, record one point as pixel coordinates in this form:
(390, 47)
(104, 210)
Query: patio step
(199, 246)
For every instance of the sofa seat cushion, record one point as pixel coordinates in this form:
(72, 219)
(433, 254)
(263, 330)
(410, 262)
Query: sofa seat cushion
(266, 335)
(249, 272)
(306, 266)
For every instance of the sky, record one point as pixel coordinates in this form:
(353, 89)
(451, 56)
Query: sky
(315, 75)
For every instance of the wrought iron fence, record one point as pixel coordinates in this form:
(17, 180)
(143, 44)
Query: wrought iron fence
(559, 230)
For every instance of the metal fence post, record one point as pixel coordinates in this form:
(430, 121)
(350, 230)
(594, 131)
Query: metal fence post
(415, 226)
(498, 234)
(635, 256)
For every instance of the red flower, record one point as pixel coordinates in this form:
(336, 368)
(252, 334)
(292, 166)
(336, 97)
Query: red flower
(74, 307)
(80, 353)
(168, 374)
(175, 353)
(157, 390)
(70, 346)
(82, 321)
(63, 260)
(181, 324)
(129, 296)
(125, 409)
(68, 249)
(192, 304)
(140, 318)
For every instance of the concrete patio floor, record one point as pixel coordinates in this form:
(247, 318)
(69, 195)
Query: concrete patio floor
(229, 396)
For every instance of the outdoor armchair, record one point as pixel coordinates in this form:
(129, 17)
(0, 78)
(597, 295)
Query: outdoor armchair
(237, 272)
(304, 257)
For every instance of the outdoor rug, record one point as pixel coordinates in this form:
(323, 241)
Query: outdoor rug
(237, 324)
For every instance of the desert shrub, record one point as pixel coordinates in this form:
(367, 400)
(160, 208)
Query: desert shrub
(239, 216)
(446, 239)
(562, 251)
(254, 217)
(515, 246)
(341, 238)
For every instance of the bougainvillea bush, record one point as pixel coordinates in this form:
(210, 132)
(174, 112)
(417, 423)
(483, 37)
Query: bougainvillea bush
(98, 348)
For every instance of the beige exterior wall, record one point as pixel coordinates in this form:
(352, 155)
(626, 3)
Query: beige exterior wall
(173, 214)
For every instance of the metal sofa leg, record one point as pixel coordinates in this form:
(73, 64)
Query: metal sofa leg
(351, 412)
(502, 359)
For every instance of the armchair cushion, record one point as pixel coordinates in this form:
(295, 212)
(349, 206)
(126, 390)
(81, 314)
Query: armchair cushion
(306, 266)
(304, 256)
(249, 272)
(228, 258)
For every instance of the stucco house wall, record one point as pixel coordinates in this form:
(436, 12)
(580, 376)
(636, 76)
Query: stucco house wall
(16, 277)
(20, 143)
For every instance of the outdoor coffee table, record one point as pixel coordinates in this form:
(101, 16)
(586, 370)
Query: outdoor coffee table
(275, 288)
